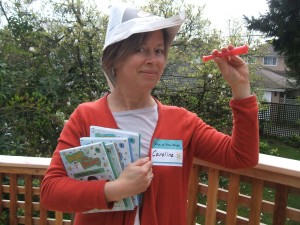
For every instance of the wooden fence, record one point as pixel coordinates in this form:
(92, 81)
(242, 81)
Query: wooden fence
(266, 194)
(20, 179)
(279, 120)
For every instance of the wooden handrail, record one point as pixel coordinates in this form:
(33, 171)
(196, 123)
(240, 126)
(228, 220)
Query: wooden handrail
(269, 168)
(24, 162)
(21, 176)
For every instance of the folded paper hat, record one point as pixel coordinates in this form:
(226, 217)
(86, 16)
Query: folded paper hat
(125, 21)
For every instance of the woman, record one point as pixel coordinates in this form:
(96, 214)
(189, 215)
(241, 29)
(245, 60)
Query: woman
(134, 57)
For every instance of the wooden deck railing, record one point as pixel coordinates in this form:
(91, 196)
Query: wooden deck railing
(266, 194)
(20, 179)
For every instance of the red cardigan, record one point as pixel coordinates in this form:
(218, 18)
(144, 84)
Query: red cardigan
(165, 201)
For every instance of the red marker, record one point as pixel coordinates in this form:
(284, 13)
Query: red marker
(236, 51)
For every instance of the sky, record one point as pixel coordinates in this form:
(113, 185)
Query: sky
(219, 12)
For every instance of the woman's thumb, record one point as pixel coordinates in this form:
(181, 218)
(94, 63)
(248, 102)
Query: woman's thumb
(141, 161)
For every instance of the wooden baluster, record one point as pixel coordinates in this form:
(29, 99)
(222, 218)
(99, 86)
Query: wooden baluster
(43, 211)
(256, 201)
(213, 185)
(232, 200)
(43, 216)
(192, 195)
(58, 218)
(13, 199)
(281, 196)
(28, 199)
(1, 192)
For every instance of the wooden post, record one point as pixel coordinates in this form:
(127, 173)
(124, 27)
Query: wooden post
(13, 199)
(28, 200)
(281, 196)
(213, 185)
(58, 218)
(43, 211)
(256, 201)
(1, 193)
(232, 201)
(192, 195)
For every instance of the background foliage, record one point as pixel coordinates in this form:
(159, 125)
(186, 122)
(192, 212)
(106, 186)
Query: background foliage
(50, 63)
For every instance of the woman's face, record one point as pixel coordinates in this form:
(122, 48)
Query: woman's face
(142, 70)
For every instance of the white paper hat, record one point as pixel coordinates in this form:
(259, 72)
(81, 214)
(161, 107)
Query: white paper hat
(125, 21)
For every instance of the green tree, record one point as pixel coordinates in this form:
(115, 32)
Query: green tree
(48, 65)
(187, 81)
(28, 123)
(77, 56)
(51, 62)
(282, 24)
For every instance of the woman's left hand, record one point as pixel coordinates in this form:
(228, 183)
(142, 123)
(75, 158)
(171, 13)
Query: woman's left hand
(235, 71)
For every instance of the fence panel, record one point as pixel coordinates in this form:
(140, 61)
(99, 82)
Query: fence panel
(20, 179)
(279, 120)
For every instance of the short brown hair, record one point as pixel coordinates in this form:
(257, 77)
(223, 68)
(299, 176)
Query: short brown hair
(114, 54)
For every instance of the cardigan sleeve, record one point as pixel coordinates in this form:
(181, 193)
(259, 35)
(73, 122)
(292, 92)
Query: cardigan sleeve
(241, 149)
(58, 191)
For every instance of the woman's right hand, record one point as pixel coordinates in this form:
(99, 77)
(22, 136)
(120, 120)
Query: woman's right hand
(135, 179)
(235, 71)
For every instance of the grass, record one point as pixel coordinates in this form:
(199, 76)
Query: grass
(283, 150)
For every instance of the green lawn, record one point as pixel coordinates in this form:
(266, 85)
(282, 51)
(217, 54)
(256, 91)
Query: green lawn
(283, 150)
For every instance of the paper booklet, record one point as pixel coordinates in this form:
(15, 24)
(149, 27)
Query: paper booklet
(134, 138)
(121, 144)
(95, 162)
(123, 149)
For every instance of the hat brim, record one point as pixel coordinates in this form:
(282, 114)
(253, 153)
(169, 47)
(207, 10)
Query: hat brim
(146, 24)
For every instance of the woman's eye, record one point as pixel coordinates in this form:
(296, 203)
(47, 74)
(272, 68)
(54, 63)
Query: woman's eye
(140, 50)
(160, 51)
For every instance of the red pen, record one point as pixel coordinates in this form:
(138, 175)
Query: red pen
(235, 51)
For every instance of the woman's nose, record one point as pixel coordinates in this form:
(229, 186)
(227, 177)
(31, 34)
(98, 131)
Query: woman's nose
(151, 57)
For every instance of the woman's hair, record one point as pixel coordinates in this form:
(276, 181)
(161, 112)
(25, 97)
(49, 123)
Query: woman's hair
(114, 54)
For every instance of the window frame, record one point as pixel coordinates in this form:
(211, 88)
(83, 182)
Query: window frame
(270, 58)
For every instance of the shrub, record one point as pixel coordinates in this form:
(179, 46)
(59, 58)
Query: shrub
(293, 141)
(265, 148)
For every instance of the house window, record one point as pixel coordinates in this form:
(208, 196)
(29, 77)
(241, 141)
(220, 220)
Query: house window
(270, 60)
